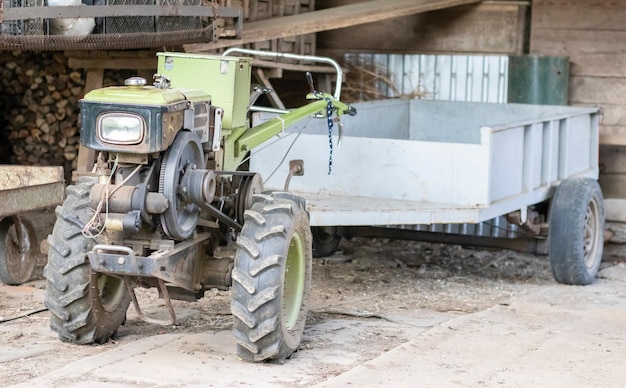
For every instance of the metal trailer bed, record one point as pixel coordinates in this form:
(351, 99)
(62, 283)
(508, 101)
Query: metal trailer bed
(420, 162)
(24, 189)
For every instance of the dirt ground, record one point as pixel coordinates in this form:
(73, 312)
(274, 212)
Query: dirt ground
(369, 298)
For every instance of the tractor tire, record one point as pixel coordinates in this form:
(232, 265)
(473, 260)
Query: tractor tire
(576, 231)
(272, 278)
(85, 307)
(18, 259)
(325, 241)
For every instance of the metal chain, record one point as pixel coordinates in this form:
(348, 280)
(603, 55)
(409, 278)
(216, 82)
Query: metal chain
(329, 118)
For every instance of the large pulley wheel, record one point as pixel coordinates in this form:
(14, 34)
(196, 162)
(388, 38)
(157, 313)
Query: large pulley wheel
(181, 217)
(18, 250)
(85, 306)
(272, 278)
(576, 231)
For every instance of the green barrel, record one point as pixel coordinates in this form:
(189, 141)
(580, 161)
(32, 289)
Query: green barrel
(535, 79)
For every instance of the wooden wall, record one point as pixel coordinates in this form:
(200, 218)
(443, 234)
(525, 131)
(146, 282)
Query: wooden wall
(492, 27)
(592, 33)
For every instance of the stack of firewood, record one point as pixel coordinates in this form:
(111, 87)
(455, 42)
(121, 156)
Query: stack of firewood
(39, 98)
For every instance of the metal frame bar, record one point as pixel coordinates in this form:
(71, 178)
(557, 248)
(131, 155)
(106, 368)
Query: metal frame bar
(82, 11)
(309, 58)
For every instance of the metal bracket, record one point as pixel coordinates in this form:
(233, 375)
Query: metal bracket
(176, 266)
(526, 219)
(166, 298)
(217, 131)
(296, 168)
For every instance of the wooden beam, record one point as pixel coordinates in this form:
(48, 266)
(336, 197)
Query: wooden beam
(579, 14)
(274, 99)
(462, 29)
(598, 65)
(112, 63)
(328, 19)
(573, 42)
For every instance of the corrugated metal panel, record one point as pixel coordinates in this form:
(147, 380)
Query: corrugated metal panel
(474, 78)
(469, 78)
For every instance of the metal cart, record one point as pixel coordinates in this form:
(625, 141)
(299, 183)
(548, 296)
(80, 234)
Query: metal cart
(24, 189)
(427, 163)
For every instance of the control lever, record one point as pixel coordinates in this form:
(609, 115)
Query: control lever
(309, 80)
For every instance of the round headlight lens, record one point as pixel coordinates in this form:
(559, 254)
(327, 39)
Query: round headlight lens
(121, 128)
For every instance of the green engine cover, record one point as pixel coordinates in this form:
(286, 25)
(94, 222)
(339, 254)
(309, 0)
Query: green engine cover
(140, 96)
(226, 79)
(164, 112)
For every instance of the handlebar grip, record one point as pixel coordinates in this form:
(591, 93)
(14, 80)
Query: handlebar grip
(351, 110)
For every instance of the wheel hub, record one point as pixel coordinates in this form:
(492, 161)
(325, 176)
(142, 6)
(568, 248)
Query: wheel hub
(293, 289)
(590, 238)
(18, 254)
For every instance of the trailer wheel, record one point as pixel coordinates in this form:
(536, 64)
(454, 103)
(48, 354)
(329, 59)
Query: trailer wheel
(576, 231)
(325, 241)
(85, 306)
(272, 278)
(18, 250)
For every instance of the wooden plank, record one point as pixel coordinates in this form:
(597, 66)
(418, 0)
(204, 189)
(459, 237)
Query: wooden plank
(111, 54)
(608, 94)
(613, 185)
(598, 65)
(612, 159)
(574, 42)
(112, 63)
(467, 29)
(607, 4)
(613, 135)
(273, 97)
(595, 90)
(328, 19)
(579, 14)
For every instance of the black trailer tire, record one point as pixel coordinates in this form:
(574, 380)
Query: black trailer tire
(325, 241)
(17, 263)
(272, 278)
(576, 231)
(85, 307)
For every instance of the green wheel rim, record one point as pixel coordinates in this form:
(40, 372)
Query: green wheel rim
(110, 291)
(293, 287)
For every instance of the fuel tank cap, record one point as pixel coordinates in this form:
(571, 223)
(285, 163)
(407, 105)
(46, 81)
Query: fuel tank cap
(135, 81)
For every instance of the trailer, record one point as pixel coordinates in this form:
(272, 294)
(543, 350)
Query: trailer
(415, 163)
(24, 189)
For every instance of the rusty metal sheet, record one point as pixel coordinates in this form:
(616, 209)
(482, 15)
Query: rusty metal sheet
(27, 188)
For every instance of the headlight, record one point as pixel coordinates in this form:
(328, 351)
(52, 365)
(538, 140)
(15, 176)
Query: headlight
(121, 128)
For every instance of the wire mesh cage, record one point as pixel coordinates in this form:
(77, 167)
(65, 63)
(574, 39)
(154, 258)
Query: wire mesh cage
(22, 27)
(129, 24)
(175, 23)
(113, 24)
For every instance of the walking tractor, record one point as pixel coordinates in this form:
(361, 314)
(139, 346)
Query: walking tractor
(179, 170)
(169, 187)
